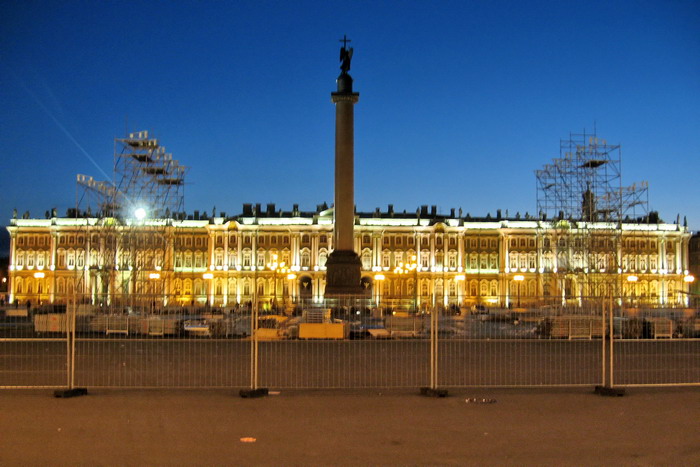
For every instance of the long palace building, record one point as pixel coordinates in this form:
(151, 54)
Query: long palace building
(268, 255)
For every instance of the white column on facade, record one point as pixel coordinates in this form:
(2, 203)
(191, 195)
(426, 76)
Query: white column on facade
(377, 250)
(294, 238)
(239, 250)
(314, 250)
(460, 252)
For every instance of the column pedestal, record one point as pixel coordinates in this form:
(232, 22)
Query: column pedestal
(343, 274)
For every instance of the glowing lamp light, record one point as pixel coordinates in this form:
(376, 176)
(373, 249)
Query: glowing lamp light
(689, 278)
(207, 275)
(632, 278)
(460, 277)
(39, 275)
(291, 276)
(140, 213)
(379, 277)
(518, 277)
(154, 275)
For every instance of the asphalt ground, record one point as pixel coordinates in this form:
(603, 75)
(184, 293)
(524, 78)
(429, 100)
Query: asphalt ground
(370, 427)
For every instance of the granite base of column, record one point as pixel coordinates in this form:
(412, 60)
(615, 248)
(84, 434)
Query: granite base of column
(343, 275)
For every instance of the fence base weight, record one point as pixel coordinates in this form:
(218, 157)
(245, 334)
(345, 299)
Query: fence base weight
(74, 392)
(433, 392)
(608, 391)
(249, 393)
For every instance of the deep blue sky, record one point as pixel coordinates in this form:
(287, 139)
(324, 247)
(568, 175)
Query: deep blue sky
(460, 102)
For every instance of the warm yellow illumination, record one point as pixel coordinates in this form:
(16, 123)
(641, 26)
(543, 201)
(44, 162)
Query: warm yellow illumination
(379, 277)
(154, 275)
(405, 268)
(39, 275)
(208, 275)
(460, 277)
(689, 278)
(632, 278)
(518, 277)
(291, 276)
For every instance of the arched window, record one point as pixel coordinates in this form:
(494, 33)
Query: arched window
(474, 288)
(305, 258)
(513, 260)
(366, 259)
(484, 287)
(493, 261)
(322, 257)
(199, 287)
(546, 289)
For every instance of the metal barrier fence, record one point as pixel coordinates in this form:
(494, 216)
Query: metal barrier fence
(358, 342)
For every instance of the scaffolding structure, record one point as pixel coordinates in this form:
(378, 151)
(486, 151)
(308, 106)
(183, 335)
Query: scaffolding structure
(585, 183)
(127, 227)
(582, 205)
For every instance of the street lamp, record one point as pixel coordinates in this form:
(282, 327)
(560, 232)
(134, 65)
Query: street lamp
(518, 278)
(379, 278)
(632, 279)
(276, 267)
(406, 268)
(153, 276)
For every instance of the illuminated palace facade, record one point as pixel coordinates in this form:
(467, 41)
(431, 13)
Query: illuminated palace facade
(269, 255)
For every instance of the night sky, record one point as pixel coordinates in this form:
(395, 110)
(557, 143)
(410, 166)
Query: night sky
(460, 102)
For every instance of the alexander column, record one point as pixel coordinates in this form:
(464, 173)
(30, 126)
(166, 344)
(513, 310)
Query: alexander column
(343, 264)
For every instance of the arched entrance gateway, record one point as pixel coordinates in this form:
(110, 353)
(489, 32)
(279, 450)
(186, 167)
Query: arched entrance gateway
(366, 283)
(305, 288)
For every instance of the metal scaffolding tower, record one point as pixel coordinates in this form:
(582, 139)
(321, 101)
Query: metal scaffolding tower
(128, 266)
(585, 183)
(581, 200)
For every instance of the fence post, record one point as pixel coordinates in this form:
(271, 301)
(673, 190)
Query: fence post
(71, 390)
(254, 390)
(608, 388)
(433, 389)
